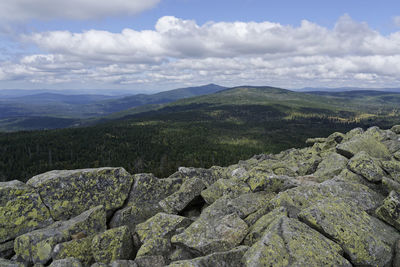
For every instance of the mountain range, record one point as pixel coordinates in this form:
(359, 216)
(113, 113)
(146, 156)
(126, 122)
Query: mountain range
(158, 136)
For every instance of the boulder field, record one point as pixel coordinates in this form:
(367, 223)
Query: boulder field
(333, 203)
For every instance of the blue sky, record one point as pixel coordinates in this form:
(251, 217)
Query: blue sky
(162, 44)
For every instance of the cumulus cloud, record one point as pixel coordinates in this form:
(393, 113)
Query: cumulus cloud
(183, 52)
(19, 10)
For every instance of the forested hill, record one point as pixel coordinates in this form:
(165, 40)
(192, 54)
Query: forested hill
(51, 111)
(217, 129)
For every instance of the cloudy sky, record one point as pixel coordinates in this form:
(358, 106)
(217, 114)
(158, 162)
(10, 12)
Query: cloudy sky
(156, 45)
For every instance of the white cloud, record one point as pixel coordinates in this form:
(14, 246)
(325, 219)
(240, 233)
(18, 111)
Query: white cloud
(19, 10)
(179, 52)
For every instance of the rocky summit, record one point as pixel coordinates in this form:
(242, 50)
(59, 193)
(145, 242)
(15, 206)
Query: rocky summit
(333, 203)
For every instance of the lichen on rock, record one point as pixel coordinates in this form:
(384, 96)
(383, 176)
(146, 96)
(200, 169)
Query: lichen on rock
(69, 193)
(113, 244)
(37, 246)
(21, 210)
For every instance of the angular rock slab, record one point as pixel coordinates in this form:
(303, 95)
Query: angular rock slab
(220, 226)
(390, 210)
(21, 210)
(366, 240)
(69, 193)
(256, 231)
(332, 164)
(8, 263)
(288, 242)
(366, 166)
(189, 190)
(37, 246)
(207, 236)
(156, 232)
(366, 143)
(143, 199)
(7, 249)
(393, 168)
(223, 187)
(113, 244)
(303, 197)
(68, 262)
(231, 258)
(79, 249)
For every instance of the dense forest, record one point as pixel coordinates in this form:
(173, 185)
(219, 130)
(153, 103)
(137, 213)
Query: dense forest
(189, 133)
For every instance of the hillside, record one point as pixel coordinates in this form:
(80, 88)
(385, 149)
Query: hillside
(216, 129)
(333, 203)
(41, 110)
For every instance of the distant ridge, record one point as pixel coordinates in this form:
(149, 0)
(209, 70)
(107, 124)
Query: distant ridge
(345, 89)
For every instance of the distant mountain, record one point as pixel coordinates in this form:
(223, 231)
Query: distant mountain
(346, 89)
(201, 131)
(133, 101)
(46, 98)
(16, 112)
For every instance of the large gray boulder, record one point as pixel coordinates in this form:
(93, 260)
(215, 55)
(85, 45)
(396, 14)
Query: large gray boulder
(21, 210)
(155, 233)
(69, 193)
(302, 197)
(288, 242)
(178, 201)
(366, 166)
(366, 240)
(389, 211)
(37, 246)
(220, 226)
(231, 258)
(142, 203)
(113, 244)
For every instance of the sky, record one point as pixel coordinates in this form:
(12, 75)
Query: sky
(155, 45)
